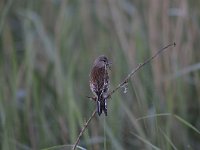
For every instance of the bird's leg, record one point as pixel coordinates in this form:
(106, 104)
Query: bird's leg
(92, 98)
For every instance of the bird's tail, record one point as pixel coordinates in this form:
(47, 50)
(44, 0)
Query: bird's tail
(102, 106)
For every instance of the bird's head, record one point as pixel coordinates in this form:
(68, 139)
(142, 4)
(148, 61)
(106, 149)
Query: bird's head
(102, 61)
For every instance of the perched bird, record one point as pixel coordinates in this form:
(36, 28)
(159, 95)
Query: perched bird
(99, 82)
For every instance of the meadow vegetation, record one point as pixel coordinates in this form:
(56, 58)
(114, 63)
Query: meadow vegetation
(47, 48)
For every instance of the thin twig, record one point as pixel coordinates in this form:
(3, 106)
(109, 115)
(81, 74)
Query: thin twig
(91, 98)
(83, 129)
(140, 66)
(121, 85)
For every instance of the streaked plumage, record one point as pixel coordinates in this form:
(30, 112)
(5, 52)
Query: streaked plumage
(99, 83)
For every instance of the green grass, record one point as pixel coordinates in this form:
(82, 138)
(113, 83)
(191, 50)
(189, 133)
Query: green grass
(47, 49)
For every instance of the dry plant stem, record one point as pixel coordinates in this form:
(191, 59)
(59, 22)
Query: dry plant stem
(140, 66)
(119, 86)
(83, 129)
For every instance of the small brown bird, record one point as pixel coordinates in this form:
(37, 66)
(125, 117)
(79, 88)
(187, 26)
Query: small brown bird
(99, 82)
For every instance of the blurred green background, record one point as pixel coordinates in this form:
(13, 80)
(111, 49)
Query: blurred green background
(47, 48)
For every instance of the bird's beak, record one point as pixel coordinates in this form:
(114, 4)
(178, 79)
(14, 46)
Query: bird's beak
(109, 64)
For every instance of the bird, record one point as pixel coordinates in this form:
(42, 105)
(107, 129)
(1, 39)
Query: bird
(99, 82)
